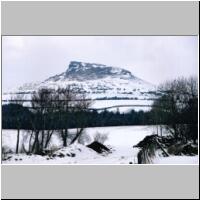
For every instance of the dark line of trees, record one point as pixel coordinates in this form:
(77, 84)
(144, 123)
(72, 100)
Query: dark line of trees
(93, 118)
(11, 112)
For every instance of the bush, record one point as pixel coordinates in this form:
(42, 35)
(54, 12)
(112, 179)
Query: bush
(100, 137)
(5, 151)
(84, 139)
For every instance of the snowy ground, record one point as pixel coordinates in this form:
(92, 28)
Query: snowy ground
(128, 102)
(125, 105)
(120, 138)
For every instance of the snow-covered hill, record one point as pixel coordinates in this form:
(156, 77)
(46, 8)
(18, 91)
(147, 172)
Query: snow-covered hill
(96, 81)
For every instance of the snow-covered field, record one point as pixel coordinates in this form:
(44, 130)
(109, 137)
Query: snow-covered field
(120, 138)
(126, 105)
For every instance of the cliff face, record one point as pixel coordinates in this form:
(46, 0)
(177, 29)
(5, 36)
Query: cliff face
(91, 71)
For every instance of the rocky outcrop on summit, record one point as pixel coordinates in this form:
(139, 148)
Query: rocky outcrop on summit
(90, 71)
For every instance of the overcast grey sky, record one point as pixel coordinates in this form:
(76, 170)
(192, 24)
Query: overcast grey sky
(152, 58)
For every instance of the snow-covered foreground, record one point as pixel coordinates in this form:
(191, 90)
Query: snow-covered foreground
(121, 140)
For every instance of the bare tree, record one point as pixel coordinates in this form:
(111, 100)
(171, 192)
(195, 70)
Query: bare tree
(178, 107)
(62, 104)
(79, 108)
(71, 105)
(43, 104)
(66, 98)
(18, 99)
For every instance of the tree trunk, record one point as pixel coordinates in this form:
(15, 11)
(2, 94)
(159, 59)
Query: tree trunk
(160, 130)
(65, 137)
(64, 141)
(49, 134)
(17, 144)
(37, 144)
(77, 135)
(42, 141)
(29, 149)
